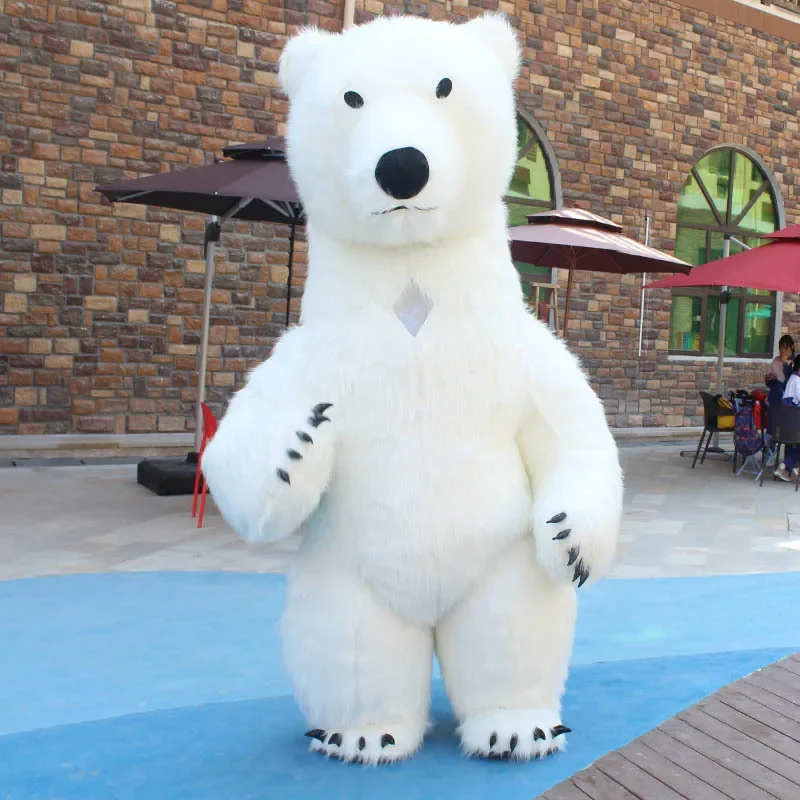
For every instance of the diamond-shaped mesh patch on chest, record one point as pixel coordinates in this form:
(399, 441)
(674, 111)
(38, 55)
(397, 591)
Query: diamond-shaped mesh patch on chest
(412, 308)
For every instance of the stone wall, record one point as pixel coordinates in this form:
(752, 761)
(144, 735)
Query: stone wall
(100, 311)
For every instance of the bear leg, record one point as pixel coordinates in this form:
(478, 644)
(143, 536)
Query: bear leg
(361, 672)
(504, 652)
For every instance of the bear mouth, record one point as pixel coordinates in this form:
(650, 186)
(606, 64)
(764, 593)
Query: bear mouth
(403, 208)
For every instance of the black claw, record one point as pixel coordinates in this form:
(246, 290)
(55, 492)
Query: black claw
(538, 734)
(387, 738)
(493, 740)
(497, 756)
(336, 739)
(362, 743)
(317, 734)
(573, 555)
(584, 578)
(513, 743)
(304, 437)
(559, 729)
(562, 534)
(284, 476)
(317, 420)
(293, 454)
(558, 517)
(578, 571)
(320, 408)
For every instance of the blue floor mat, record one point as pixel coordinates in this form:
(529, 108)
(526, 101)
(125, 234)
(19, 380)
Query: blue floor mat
(166, 685)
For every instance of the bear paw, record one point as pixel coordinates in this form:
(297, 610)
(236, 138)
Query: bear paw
(297, 451)
(368, 744)
(519, 734)
(576, 532)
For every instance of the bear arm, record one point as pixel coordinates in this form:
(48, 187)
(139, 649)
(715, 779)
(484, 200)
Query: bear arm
(573, 466)
(271, 459)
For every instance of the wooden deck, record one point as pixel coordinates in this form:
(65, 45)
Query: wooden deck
(742, 743)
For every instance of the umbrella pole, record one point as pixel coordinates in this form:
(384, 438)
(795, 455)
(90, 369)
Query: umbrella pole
(644, 281)
(569, 293)
(211, 238)
(723, 321)
(289, 279)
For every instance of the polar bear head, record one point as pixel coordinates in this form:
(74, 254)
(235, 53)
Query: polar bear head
(402, 131)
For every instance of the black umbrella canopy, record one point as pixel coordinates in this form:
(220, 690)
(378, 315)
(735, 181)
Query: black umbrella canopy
(255, 185)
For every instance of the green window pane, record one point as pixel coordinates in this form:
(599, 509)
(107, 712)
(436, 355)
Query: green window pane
(524, 134)
(761, 217)
(716, 247)
(731, 327)
(530, 180)
(757, 336)
(690, 246)
(518, 212)
(685, 319)
(714, 171)
(693, 207)
(747, 180)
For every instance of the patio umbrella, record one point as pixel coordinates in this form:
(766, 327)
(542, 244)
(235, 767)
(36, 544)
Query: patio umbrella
(572, 238)
(254, 185)
(774, 266)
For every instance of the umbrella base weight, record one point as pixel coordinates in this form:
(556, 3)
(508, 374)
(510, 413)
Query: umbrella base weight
(168, 476)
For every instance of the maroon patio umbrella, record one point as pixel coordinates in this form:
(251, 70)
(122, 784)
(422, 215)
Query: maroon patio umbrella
(572, 238)
(253, 185)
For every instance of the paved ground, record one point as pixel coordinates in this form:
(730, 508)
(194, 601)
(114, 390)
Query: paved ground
(678, 522)
(159, 676)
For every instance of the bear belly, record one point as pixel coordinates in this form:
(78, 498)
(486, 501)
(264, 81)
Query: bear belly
(422, 530)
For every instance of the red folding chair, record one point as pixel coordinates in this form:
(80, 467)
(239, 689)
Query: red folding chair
(209, 429)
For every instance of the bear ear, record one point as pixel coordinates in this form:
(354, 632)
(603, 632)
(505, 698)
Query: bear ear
(298, 55)
(496, 34)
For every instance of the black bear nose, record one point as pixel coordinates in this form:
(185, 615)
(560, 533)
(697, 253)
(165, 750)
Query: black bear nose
(402, 173)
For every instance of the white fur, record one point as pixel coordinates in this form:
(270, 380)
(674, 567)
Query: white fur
(502, 725)
(424, 502)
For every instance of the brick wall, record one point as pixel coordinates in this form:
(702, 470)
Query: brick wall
(100, 312)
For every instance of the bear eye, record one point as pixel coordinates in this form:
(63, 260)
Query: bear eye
(444, 87)
(353, 99)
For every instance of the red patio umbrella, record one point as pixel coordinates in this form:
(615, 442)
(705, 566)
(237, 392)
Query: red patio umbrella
(572, 238)
(774, 266)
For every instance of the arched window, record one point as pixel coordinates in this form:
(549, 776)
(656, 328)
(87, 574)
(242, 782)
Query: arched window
(535, 185)
(729, 191)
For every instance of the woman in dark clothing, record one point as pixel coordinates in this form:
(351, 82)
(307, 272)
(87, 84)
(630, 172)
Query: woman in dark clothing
(780, 370)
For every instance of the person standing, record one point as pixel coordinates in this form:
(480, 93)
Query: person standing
(787, 470)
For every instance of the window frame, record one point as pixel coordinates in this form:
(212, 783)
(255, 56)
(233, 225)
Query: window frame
(703, 294)
(729, 226)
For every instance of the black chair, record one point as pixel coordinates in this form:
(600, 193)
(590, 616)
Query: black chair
(785, 424)
(713, 412)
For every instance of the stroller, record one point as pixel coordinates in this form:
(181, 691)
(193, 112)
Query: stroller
(748, 437)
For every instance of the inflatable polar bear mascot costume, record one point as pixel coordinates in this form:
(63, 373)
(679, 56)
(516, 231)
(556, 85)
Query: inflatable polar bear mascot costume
(442, 455)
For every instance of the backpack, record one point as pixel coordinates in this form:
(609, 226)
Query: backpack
(746, 437)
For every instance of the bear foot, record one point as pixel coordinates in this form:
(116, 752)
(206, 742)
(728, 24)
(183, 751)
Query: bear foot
(368, 744)
(518, 734)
